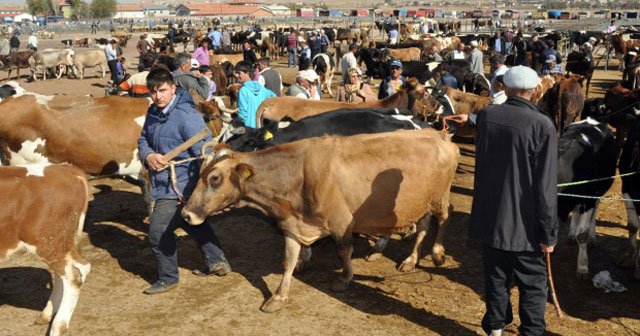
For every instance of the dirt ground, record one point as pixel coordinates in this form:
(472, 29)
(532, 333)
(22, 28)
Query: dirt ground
(381, 300)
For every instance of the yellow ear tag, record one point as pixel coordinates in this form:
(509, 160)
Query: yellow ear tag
(268, 136)
(247, 173)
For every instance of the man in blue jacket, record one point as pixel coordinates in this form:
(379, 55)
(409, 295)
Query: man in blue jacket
(172, 120)
(250, 96)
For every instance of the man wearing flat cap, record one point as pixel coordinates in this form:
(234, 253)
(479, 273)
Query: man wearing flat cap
(514, 206)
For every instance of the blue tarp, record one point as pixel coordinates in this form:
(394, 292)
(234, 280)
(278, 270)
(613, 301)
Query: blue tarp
(8, 19)
(554, 14)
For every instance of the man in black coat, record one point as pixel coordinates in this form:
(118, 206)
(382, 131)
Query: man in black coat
(514, 212)
(14, 42)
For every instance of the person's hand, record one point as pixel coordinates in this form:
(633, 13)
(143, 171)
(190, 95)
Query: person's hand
(546, 248)
(198, 74)
(459, 119)
(155, 161)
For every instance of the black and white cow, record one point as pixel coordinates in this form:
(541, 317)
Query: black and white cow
(586, 151)
(324, 66)
(342, 122)
(630, 162)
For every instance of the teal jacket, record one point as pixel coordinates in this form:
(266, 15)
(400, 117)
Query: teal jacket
(251, 95)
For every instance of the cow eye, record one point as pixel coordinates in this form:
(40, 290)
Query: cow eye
(215, 179)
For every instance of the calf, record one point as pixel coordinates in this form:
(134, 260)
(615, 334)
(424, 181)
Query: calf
(323, 65)
(623, 109)
(52, 203)
(586, 151)
(577, 64)
(370, 184)
(18, 59)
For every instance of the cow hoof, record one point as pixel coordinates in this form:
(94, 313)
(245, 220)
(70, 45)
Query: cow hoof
(407, 266)
(373, 256)
(340, 286)
(273, 305)
(41, 320)
(439, 260)
(582, 275)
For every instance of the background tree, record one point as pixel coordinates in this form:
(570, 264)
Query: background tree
(38, 6)
(103, 8)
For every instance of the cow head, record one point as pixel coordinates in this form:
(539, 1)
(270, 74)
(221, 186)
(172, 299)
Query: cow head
(221, 184)
(420, 102)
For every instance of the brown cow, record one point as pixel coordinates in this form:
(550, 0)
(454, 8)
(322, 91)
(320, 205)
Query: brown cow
(97, 135)
(412, 97)
(564, 101)
(621, 103)
(17, 59)
(621, 43)
(464, 103)
(218, 76)
(370, 184)
(403, 54)
(221, 58)
(52, 204)
(546, 83)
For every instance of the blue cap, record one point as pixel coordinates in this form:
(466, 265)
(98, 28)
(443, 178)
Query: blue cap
(396, 63)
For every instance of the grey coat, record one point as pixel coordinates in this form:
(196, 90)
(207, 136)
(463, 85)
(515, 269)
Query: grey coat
(188, 81)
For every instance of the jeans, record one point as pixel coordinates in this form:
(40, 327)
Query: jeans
(165, 218)
(293, 57)
(113, 69)
(528, 270)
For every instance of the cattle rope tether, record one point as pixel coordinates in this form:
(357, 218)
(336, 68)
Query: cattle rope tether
(568, 184)
(556, 304)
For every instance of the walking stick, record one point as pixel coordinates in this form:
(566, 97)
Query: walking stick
(553, 289)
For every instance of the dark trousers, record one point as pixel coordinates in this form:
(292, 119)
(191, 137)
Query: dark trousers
(113, 69)
(165, 219)
(528, 270)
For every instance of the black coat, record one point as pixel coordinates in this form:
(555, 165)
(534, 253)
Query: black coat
(515, 188)
(14, 42)
(250, 56)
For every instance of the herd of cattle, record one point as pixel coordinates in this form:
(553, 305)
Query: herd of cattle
(383, 168)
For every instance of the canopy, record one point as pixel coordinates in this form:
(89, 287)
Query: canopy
(23, 17)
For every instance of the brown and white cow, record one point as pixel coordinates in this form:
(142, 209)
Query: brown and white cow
(371, 184)
(52, 203)
(412, 97)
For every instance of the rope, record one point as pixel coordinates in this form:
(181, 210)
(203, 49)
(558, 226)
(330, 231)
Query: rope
(602, 198)
(595, 180)
(174, 179)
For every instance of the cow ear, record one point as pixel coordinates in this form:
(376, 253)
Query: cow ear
(245, 171)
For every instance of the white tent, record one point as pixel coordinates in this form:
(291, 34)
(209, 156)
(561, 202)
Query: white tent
(23, 17)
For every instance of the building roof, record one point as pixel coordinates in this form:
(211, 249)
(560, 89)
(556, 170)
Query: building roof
(155, 7)
(12, 8)
(128, 8)
(224, 9)
(277, 7)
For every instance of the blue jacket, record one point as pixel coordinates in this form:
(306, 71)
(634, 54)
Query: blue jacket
(163, 132)
(251, 95)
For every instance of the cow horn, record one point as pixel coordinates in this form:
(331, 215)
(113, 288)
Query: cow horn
(222, 153)
(206, 146)
(224, 108)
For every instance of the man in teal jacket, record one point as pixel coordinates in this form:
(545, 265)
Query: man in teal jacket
(251, 95)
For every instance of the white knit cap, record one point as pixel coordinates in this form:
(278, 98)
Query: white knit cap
(474, 43)
(521, 78)
(309, 75)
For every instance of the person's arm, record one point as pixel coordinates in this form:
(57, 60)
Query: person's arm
(243, 111)
(202, 86)
(342, 94)
(545, 178)
(382, 91)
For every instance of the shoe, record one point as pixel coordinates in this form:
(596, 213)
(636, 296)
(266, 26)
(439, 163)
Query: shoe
(160, 287)
(220, 268)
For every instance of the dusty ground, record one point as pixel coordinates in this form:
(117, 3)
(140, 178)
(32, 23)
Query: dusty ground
(380, 301)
